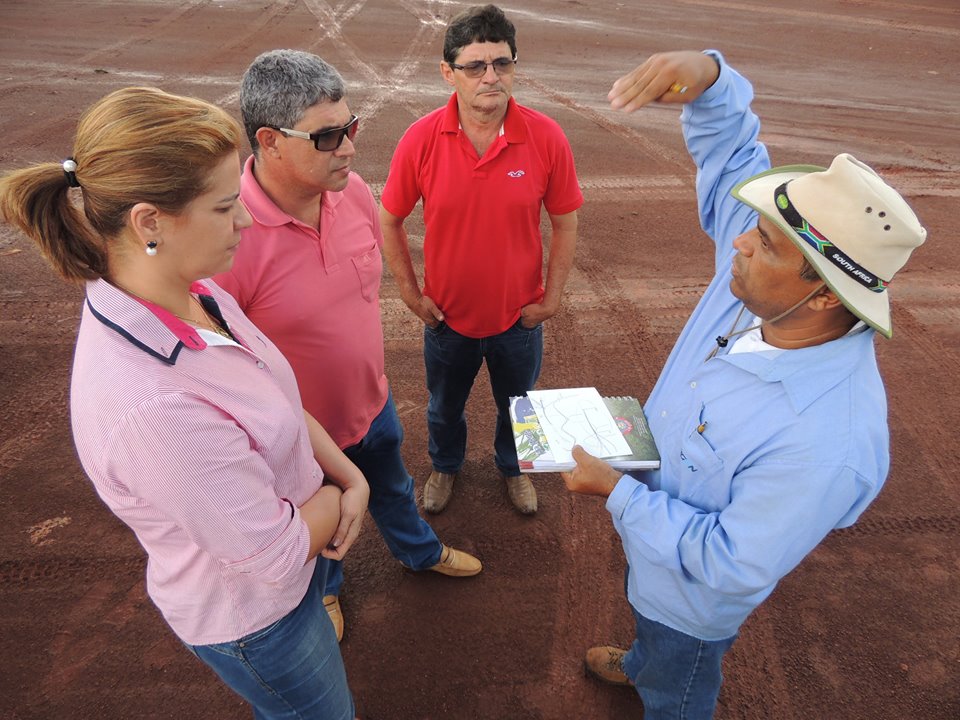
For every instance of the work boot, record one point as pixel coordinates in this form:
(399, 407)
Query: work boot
(522, 494)
(605, 663)
(331, 603)
(437, 491)
(457, 563)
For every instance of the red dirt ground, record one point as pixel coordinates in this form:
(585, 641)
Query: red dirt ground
(866, 627)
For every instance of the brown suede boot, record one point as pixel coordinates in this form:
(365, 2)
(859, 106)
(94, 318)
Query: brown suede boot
(522, 494)
(437, 491)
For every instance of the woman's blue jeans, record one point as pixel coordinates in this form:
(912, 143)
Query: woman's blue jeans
(677, 675)
(452, 362)
(291, 669)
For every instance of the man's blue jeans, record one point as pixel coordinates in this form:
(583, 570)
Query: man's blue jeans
(677, 675)
(452, 361)
(392, 503)
(290, 669)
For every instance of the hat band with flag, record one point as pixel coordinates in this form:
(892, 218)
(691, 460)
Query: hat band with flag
(822, 245)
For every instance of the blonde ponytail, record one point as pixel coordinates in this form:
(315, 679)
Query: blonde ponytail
(37, 200)
(135, 145)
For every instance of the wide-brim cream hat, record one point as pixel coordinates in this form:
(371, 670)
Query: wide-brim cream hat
(855, 230)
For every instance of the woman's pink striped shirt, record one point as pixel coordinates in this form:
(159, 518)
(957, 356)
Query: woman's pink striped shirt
(202, 449)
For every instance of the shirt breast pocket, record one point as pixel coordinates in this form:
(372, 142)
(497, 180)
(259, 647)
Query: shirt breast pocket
(702, 482)
(369, 268)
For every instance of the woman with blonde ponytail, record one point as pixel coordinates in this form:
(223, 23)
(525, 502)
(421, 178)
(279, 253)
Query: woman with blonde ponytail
(186, 418)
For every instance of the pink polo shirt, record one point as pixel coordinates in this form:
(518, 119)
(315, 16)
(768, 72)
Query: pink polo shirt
(201, 447)
(315, 293)
(482, 250)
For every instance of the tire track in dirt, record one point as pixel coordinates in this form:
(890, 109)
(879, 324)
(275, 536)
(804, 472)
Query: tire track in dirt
(20, 572)
(671, 158)
(621, 311)
(817, 17)
(904, 7)
(593, 622)
(275, 12)
(671, 188)
(29, 74)
(29, 414)
(13, 451)
(865, 107)
(76, 650)
(385, 86)
(157, 30)
(564, 362)
(914, 389)
(770, 700)
(59, 73)
(331, 21)
(922, 182)
(571, 354)
(652, 187)
(912, 525)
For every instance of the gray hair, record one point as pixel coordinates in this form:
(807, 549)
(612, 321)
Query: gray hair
(281, 85)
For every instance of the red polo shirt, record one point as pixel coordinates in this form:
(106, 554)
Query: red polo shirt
(483, 253)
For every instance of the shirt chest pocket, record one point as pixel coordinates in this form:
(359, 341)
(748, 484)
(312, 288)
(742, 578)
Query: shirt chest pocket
(703, 482)
(369, 267)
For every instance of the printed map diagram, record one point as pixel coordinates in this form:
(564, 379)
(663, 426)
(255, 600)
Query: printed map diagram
(577, 416)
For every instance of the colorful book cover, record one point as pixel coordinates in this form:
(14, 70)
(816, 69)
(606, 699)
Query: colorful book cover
(628, 414)
(527, 435)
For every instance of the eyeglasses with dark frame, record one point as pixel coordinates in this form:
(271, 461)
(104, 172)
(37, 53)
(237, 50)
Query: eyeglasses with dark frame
(328, 140)
(478, 68)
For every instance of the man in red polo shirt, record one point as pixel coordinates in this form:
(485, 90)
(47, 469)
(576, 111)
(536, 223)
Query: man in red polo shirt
(484, 167)
(307, 273)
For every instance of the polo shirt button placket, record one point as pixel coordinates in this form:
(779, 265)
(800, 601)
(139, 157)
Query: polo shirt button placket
(260, 364)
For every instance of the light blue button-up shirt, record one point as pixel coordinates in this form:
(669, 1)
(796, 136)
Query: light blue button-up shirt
(762, 454)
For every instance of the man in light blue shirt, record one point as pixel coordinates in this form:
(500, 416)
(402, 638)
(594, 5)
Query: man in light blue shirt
(770, 413)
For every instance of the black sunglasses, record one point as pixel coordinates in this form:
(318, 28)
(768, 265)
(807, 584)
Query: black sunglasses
(328, 140)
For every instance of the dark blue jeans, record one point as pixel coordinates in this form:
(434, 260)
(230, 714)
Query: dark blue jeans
(677, 675)
(453, 360)
(392, 503)
(291, 669)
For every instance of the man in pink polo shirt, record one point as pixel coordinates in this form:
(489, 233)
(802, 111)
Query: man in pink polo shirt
(307, 273)
(484, 166)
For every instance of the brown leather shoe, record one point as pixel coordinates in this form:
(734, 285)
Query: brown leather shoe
(331, 604)
(457, 563)
(605, 663)
(437, 491)
(522, 494)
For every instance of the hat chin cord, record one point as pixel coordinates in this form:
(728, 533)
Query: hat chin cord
(722, 340)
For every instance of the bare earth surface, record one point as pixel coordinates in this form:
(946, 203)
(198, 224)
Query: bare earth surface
(866, 627)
